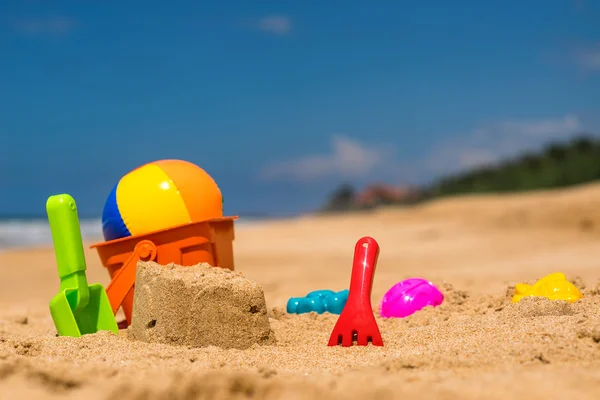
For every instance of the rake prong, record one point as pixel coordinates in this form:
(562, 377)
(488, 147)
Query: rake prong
(338, 338)
(376, 339)
(333, 340)
(361, 339)
(347, 340)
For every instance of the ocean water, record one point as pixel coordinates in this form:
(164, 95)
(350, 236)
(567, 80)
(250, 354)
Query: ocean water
(32, 232)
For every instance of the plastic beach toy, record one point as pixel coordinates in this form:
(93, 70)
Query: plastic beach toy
(78, 309)
(319, 301)
(554, 287)
(409, 296)
(159, 195)
(357, 322)
(167, 211)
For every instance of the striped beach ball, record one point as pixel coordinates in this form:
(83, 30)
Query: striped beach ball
(160, 195)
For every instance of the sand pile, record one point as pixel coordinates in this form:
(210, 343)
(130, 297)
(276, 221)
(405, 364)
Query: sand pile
(198, 306)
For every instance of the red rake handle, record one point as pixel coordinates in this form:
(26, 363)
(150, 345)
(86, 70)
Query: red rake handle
(366, 252)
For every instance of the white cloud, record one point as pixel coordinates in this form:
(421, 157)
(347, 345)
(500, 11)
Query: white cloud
(44, 26)
(551, 127)
(484, 145)
(488, 144)
(348, 159)
(276, 24)
(589, 58)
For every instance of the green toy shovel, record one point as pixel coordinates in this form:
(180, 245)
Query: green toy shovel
(78, 309)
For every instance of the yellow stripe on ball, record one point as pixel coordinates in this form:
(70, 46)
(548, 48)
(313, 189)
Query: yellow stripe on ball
(149, 201)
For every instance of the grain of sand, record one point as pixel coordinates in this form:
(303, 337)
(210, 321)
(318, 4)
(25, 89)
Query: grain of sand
(476, 345)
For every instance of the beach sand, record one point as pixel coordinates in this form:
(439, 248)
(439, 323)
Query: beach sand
(476, 345)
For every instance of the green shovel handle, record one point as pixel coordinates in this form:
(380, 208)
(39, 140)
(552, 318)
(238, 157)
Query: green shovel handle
(66, 234)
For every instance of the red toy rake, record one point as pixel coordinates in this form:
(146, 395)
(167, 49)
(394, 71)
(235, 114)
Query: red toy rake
(357, 322)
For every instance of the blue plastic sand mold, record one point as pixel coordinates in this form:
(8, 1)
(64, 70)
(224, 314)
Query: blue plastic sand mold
(319, 301)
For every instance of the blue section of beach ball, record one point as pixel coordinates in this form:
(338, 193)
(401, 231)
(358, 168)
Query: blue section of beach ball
(113, 226)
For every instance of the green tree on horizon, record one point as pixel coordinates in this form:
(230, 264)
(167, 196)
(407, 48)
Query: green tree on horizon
(558, 164)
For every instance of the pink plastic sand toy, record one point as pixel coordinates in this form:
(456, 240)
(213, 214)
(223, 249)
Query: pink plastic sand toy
(409, 296)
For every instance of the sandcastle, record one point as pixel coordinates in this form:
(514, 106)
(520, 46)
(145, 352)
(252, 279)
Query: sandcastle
(198, 306)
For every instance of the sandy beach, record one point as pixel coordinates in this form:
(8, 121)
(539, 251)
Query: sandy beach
(476, 345)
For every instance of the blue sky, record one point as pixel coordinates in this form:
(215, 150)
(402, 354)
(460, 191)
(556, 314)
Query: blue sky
(281, 100)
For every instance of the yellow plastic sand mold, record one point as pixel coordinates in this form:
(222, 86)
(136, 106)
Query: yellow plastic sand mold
(554, 287)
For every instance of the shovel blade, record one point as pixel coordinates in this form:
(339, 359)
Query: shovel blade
(62, 314)
(96, 316)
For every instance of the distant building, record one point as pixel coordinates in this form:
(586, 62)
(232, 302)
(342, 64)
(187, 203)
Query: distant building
(380, 193)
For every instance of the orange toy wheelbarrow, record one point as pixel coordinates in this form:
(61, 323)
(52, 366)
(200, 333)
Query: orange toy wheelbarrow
(209, 241)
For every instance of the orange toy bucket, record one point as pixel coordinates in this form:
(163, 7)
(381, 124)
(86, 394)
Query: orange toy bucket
(209, 241)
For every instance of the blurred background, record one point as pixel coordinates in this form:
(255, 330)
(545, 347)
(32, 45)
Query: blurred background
(294, 107)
